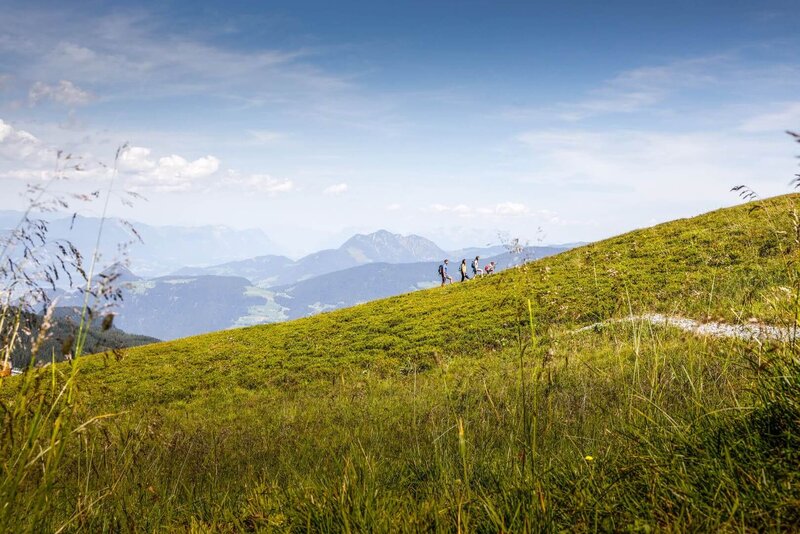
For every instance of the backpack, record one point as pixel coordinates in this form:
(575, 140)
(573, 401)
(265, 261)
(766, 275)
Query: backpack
(441, 270)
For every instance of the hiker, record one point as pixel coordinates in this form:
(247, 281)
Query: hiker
(464, 276)
(443, 272)
(476, 267)
(489, 269)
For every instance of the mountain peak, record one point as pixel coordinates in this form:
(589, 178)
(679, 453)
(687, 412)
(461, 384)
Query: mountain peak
(120, 272)
(386, 246)
(377, 234)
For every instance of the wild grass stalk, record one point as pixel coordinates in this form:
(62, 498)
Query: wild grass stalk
(41, 419)
(85, 319)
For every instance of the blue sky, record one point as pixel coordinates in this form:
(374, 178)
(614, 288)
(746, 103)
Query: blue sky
(454, 120)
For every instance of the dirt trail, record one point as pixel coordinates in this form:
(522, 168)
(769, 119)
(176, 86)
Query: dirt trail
(715, 329)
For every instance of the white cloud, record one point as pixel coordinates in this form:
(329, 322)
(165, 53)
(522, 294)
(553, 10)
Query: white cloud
(264, 137)
(126, 54)
(505, 209)
(168, 173)
(76, 53)
(136, 159)
(21, 146)
(28, 175)
(632, 90)
(178, 167)
(457, 209)
(65, 92)
(651, 165)
(644, 87)
(262, 183)
(25, 157)
(787, 117)
(336, 189)
(611, 101)
(394, 207)
(138, 166)
(670, 88)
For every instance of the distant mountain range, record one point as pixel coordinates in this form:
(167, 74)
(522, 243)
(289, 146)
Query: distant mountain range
(274, 288)
(163, 248)
(378, 280)
(380, 246)
(238, 291)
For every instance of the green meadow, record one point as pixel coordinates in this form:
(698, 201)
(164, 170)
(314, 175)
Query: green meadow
(478, 407)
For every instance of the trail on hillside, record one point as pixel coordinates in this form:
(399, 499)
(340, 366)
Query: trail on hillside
(748, 331)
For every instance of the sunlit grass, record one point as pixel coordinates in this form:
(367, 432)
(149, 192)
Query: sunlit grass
(461, 409)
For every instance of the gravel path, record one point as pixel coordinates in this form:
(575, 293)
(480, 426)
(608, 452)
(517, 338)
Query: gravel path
(739, 331)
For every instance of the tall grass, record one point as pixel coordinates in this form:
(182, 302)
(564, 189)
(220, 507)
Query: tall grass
(675, 446)
(40, 417)
(629, 426)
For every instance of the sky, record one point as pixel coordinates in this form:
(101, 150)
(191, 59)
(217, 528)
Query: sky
(459, 121)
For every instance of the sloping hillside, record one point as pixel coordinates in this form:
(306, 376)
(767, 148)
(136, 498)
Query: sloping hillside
(715, 265)
(483, 406)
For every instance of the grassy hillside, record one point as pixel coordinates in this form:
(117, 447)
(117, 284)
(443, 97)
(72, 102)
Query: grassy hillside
(476, 407)
(719, 265)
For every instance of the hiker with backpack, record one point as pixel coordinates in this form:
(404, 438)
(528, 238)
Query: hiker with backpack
(489, 269)
(464, 276)
(476, 267)
(443, 272)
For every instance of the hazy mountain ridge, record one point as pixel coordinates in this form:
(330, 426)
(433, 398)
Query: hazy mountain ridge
(170, 307)
(273, 288)
(162, 249)
(263, 269)
(373, 281)
(380, 246)
(384, 246)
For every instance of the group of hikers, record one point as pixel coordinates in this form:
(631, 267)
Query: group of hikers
(476, 270)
